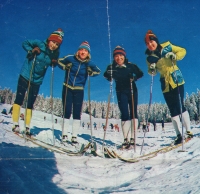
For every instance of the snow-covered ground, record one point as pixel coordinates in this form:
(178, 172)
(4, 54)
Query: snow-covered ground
(27, 168)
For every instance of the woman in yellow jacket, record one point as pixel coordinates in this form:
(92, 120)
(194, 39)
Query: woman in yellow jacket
(163, 58)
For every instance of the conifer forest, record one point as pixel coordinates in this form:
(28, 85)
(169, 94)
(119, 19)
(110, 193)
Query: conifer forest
(157, 111)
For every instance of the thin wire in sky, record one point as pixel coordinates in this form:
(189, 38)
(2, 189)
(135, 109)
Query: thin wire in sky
(109, 40)
(111, 83)
(109, 43)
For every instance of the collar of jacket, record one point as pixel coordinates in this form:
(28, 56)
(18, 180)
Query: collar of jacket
(166, 48)
(120, 66)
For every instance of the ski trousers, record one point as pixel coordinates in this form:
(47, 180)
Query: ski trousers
(124, 99)
(74, 101)
(22, 88)
(173, 101)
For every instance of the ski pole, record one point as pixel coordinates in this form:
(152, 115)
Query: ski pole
(107, 114)
(108, 109)
(150, 99)
(90, 108)
(52, 113)
(64, 105)
(180, 104)
(133, 127)
(27, 95)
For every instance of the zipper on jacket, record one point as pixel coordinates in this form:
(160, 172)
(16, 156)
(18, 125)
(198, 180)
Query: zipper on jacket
(76, 74)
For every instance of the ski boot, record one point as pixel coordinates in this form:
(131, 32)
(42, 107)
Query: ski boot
(189, 134)
(178, 139)
(132, 143)
(64, 138)
(93, 147)
(74, 140)
(27, 132)
(16, 129)
(125, 144)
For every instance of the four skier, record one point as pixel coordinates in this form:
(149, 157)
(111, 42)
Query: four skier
(161, 58)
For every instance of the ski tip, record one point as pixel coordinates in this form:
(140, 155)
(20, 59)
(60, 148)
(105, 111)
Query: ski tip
(82, 147)
(93, 146)
(182, 151)
(2, 121)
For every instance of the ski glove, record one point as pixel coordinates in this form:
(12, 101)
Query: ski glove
(89, 70)
(33, 52)
(153, 66)
(110, 72)
(54, 62)
(131, 77)
(68, 66)
(170, 55)
(36, 51)
(29, 55)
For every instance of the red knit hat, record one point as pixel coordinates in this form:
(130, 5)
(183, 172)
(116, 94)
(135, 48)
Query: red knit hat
(57, 36)
(150, 36)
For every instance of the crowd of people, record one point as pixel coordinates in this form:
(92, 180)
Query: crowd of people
(161, 58)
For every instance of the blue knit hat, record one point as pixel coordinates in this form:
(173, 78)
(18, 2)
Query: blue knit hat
(85, 45)
(119, 50)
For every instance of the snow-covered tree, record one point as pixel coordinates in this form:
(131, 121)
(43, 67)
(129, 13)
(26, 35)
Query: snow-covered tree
(158, 111)
(39, 103)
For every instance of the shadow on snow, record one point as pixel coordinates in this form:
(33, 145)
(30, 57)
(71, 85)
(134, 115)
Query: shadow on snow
(27, 170)
(58, 134)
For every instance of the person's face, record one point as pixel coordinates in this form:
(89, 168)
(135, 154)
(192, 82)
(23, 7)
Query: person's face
(53, 45)
(83, 53)
(119, 59)
(152, 45)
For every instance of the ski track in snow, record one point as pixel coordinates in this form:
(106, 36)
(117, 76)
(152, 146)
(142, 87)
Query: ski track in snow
(27, 168)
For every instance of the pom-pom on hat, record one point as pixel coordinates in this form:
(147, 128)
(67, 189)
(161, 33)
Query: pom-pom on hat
(119, 50)
(57, 36)
(150, 36)
(85, 45)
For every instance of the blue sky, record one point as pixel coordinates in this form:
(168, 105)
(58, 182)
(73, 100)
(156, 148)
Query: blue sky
(174, 21)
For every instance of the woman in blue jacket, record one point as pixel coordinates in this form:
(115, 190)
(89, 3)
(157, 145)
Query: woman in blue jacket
(77, 67)
(40, 55)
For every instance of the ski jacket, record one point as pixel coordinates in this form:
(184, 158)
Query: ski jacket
(123, 74)
(36, 72)
(78, 72)
(170, 74)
